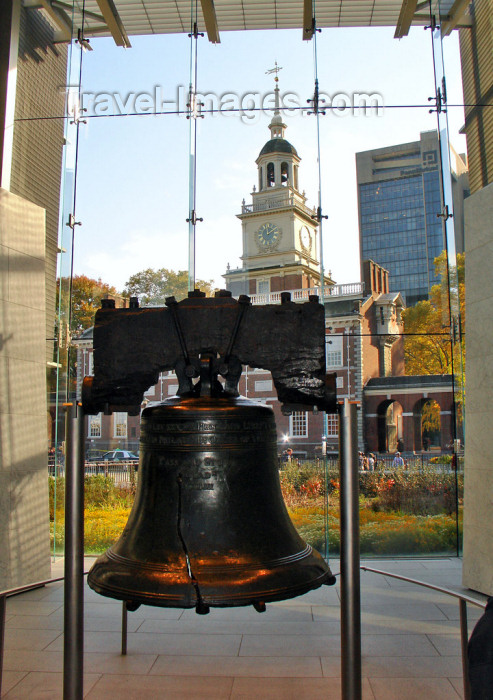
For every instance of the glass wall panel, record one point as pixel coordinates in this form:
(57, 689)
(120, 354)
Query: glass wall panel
(374, 167)
(129, 214)
(62, 379)
(453, 288)
(41, 163)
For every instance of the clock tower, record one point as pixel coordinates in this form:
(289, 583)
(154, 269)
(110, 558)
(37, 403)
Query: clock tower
(280, 232)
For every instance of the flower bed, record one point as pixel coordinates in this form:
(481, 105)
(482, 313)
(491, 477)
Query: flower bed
(401, 512)
(380, 533)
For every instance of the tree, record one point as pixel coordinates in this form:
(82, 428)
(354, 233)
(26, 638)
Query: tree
(77, 312)
(431, 346)
(430, 417)
(427, 335)
(86, 300)
(153, 286)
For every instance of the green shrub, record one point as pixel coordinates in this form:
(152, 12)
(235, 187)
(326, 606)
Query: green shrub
(418, 492)
(298, 474)
(102, 527)
(380, 533)
(409, 535)
(442, 459)
(401, 512)
(56, 494)
(309, 477)
(314, 533)
(99, 492)
(422, 491)
(368, 483)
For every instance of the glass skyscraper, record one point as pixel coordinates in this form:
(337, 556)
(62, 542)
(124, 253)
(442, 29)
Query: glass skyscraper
(399, 199)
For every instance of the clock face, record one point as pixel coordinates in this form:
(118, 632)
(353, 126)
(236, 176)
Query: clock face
(305, 238)
(268, 236)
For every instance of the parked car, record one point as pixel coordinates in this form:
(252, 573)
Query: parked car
(116, 456)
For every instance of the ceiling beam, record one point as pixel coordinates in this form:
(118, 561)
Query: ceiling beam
(61, 20)
(456, 14)
(308, 23)
(406, 15)
(65, 6)
(210, 19)
(114, 22)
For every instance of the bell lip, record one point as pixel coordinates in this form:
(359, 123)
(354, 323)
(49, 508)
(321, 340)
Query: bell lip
(187, 598)
(110, 557)
(117, 570)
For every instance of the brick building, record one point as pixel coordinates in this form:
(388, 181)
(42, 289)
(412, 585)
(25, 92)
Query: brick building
(362, 343)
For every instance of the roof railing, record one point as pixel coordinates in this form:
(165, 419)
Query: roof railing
(353, 289)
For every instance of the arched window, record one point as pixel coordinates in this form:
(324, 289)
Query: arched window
(390, 430)
(427, 424)
(271, 180)
(284, 174)
(260, 178)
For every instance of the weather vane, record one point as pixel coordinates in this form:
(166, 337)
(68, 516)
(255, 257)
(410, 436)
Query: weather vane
(275, 70)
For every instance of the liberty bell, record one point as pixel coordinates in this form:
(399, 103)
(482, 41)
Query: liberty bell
(209, 527)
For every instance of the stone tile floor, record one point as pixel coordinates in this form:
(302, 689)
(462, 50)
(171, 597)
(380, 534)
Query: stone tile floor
(410, 644)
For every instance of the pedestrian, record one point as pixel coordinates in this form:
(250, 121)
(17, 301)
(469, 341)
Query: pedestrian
(398, 461)
(371, 462)
(480, 655)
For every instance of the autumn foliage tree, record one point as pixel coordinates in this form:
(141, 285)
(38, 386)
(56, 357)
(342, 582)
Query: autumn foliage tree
(77, 303)
(428, 347)
(433, 342)
(86, 300)
(154, 286)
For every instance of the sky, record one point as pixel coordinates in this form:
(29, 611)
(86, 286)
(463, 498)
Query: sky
(133, 171)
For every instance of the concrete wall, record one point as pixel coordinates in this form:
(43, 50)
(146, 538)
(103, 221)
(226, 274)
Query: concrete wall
(24, 516)
(476, 53)
(478, 484)
(38, 141)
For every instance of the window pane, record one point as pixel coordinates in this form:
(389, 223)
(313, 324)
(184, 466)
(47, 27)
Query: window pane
(299, 424)
(120, 424)
(95, 425)
(332, 425)
(333, 347)
(263, 385)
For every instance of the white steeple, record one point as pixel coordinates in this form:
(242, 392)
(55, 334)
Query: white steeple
(276, 125)
(280, 241)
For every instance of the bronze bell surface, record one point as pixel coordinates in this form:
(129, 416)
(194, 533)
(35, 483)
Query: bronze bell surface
(209, 526)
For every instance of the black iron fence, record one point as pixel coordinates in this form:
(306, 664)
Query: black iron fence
(120, 472)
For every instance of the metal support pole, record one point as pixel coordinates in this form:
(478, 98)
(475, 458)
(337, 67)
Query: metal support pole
(464, 638)
(124, 628)
(3, 608)
(350, 561)
(73, 645)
